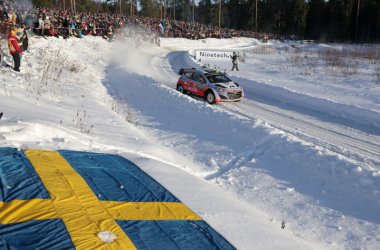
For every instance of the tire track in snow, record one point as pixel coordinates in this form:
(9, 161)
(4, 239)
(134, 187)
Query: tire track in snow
(348, 142)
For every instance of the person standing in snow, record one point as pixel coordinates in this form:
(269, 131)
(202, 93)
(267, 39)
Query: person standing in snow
(24, 38)
(234, 62)
(110, 32)
(14, 49)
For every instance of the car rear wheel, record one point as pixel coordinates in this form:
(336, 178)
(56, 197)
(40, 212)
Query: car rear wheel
(181, 89)
(210, 97)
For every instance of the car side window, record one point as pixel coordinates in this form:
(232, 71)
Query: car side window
(202, 79)
(188, 74)
(196, 76)
(220, 78)
(211, 79)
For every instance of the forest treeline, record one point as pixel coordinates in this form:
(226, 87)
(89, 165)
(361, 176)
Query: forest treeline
(322, 20)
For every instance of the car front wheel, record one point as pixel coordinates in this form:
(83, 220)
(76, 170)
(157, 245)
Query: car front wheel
(181, 89)
(210, 98)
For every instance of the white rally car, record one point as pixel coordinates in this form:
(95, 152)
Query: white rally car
(210, 84)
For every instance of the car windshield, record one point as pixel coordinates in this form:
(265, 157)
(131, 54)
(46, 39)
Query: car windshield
(217, 78)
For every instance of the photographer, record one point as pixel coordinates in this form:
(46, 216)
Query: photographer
(234, 62)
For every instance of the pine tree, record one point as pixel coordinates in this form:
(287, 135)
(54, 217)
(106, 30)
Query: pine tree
(205, 7)
(316, 20)
(149, 8)
(300, 11)
(341, 19)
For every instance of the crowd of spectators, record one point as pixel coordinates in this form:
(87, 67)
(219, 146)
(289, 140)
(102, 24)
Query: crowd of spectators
(49, 22)
(65, 23)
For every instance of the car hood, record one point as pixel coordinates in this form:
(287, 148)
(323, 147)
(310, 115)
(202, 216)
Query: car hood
(227, 85)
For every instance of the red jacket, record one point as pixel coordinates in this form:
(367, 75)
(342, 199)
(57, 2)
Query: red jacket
(13, 45)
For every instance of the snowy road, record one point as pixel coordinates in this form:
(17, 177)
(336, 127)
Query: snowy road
(356, 145)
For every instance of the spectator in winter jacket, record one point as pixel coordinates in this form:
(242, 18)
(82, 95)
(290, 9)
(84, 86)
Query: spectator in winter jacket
(2, 17)
(41, 25)
(110, 32)
(234, 62)
(24, 37)
(12, 17)
(14, 49)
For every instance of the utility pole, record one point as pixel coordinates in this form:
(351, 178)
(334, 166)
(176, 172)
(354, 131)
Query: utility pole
(174, 9)
(161, 9)
(120, 7)
(166, 8)
(256, 16)
(193, 10)
(279, 18)
(220, 10)
(73, 6)
(132, 8)
(357, 22)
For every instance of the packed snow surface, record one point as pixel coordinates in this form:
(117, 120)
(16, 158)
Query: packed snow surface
(295, 165)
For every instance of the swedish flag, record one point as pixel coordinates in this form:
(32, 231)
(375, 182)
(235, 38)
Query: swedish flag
(81, 200)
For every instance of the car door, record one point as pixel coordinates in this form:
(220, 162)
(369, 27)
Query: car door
(198, 83)
(186, 81)
(201, 84)
(192, 84)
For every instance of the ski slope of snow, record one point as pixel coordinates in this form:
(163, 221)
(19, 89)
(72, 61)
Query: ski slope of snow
(301, 151)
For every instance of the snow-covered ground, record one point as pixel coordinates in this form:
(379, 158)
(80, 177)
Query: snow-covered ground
(302, 150)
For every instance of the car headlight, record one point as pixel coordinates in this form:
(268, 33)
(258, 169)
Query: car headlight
(219, 89)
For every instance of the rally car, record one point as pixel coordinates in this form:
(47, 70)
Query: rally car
(209, 84)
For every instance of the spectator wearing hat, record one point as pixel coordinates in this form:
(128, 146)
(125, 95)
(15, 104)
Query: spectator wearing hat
(14, 49)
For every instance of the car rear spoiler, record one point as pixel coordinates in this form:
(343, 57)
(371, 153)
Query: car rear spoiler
(182, 70)
(211, 71)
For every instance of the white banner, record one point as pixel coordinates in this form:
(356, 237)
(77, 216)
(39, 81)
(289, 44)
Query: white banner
(213, 55)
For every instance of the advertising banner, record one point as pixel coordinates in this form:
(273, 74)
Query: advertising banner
(213, 55)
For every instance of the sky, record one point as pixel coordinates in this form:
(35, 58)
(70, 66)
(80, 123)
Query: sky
(302, 149)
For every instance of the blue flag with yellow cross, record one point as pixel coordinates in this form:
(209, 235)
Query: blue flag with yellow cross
(81, 200)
